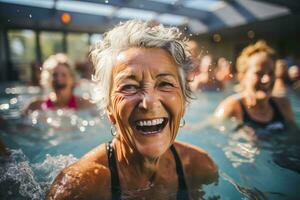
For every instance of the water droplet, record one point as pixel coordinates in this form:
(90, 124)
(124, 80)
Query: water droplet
(34, 121)
(96, 171)
(49, 120)
(13, 101)
(60, 112)
(91, 123)
(84, 123)
(82, 128)
(4, 106)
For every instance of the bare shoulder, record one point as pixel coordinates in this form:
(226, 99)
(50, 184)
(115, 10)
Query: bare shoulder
(199, 166)
(34, 104)
(229, 107)
(88, 178)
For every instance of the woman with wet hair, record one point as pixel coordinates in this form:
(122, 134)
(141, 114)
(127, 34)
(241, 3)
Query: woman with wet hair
(141, 75)
(58, 77)
(254, 105)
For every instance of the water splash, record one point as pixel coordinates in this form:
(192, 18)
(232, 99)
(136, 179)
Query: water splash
(50, 167)
(21, 180)
(17, 179)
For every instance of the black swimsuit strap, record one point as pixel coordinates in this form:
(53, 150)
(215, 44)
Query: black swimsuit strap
(115, 183)
(246, 116)
(182, 193)
(277, 116)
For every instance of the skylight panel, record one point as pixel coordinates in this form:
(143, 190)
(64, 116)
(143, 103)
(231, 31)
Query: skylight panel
(230, 16)
(206, 5)
(263, 10)
(85, 7)
(129, 13)
(170, 19)
(35, 3)
(172, 2)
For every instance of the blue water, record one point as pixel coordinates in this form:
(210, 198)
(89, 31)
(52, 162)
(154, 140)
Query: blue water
(44, 143)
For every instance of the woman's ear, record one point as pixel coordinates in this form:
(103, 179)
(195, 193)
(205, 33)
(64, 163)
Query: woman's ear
(110, 116)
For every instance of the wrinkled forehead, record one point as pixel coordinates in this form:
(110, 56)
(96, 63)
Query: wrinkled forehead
(135, 60)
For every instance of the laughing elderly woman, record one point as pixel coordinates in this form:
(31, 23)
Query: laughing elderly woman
(141, 72)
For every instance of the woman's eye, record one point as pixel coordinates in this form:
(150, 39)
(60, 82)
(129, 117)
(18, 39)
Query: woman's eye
(130, 88)
(166, 84)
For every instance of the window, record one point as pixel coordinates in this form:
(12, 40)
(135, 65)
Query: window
(78, 46)
(51, 43)
(22, 52)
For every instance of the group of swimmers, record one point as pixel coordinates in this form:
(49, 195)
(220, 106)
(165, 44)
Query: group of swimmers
(145, 76)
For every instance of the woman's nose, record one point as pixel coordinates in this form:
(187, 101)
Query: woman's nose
(265, 79)
(149, 101)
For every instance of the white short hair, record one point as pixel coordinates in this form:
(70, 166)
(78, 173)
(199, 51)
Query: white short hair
(135, 33)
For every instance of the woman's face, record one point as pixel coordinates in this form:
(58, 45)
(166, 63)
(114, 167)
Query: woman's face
(62, 78)
(146, 101)
(259, 78)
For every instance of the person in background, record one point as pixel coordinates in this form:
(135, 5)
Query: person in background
(193, 52)
(281, 69)
(58, 77)
(224, 71)
(141, 72)
(254, 105)
(294, 78)
(206, 80)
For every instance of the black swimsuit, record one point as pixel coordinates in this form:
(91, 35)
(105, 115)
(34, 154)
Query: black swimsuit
(115, 182)
(275, 124)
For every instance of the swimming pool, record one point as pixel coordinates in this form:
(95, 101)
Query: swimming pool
(44, 143)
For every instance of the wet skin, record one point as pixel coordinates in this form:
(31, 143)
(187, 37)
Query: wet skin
(259, 81)
(145, 86)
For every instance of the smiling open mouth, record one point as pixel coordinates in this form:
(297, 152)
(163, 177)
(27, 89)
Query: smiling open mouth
(151, 126)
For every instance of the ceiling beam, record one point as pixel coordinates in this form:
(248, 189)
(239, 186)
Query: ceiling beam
(206, 17)
(293, 5)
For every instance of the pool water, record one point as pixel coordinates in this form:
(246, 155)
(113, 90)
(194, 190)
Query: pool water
(44, 143)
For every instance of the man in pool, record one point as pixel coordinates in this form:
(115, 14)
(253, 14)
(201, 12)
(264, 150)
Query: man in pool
(58, 75)
(141, 73)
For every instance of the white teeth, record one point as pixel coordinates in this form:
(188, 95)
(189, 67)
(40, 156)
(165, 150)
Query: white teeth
(150, 122)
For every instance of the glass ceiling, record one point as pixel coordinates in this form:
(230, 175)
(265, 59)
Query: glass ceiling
(199, 15)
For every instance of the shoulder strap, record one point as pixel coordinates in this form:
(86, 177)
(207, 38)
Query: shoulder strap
(182, 188)
(115, 183)
(246, 117)
(277, 115)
